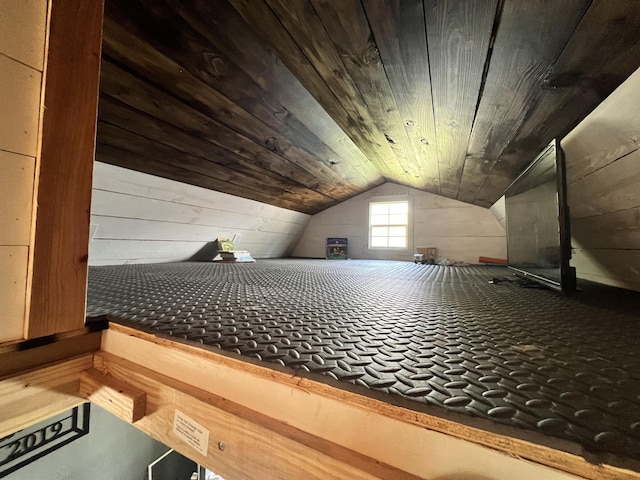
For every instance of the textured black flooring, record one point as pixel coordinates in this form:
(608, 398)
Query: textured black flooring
(436, 339)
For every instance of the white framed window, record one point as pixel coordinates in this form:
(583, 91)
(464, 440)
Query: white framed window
(389, 224)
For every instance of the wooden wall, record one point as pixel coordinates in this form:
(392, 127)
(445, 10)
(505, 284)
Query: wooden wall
(603, 176)
(140, 218)
(498, 210)
(460, 231)
(22, 48)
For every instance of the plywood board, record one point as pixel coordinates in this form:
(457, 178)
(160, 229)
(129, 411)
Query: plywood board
(22, 31)
(16, 185)
(418, 445)
(13, 265)
(191, 421)
(20, 107)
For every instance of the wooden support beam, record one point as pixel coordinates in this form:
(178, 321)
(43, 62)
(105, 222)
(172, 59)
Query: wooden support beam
(115, 396)
(229, 439)
(423, 445)
(31, 397)
(60, 244)
(20, 356)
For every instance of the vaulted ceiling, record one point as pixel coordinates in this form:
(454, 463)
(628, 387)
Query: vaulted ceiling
(305, 103)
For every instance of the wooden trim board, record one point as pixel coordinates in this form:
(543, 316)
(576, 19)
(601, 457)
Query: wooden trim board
(34, 396)
(404, 439)
(239, 442)
(60, 244)
(20, 356)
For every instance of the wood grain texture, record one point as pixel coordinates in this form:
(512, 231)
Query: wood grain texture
(29, 398)
(23, 31)
(314, 67)
(347, 25)
(609, 189)
(60, 248)
(610, 132)
(615, 230)
(399, 31)
(16, 357)
(117, 397)
(16, 183)
(459, 36)
(178, 171)
(451, 97)
(600, 55)
(418, 448)
(228, 97)
(204, 159)
(231, 35)
(239, 442)
(305, 27)
(523, 53)
(20, 107)
(137, 216)
(14, 266)
(139, 108)
(110, 178)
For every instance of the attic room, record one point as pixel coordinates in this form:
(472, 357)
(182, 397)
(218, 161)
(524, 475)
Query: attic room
(136, 133)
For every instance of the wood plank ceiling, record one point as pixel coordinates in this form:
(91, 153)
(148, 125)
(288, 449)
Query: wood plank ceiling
(303, 104)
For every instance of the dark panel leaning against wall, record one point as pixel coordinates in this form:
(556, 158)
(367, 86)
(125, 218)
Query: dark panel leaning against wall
(112, 449)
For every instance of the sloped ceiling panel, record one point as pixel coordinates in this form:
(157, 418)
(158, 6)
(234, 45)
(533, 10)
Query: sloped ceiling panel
(303, 104)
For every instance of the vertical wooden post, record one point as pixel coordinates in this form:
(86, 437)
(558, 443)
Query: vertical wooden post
(60, 242)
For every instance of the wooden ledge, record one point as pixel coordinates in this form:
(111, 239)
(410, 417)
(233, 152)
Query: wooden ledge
(23, 355)
(31, 397)
(421, 444)
(115, 396)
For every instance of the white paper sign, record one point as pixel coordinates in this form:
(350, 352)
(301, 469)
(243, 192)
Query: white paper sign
(191, 432)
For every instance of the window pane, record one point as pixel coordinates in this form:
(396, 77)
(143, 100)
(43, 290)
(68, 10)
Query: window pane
(398, 232)
(379, 208)
(379, 231)
(378, 241)
(400, 242)
(401, 207)
(397, 219)
(388, 222)
(379, 219)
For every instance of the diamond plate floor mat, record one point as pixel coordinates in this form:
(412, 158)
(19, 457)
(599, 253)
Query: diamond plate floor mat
(437, 339)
